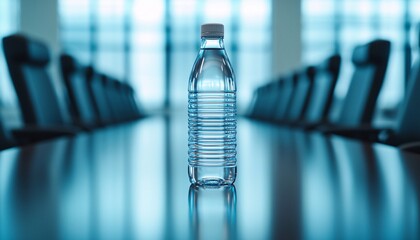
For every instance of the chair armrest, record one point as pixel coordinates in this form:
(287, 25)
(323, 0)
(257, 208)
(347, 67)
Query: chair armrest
(306, 126)
(410, 147)
(29, 134)
(7, 143)
(366, 133)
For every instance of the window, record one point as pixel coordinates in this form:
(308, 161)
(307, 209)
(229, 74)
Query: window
(338, 26)
(8, 19)
(153, 44)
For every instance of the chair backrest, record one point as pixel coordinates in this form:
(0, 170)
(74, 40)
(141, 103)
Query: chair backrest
(324, 83)
(408, 122)
(110, 92)
(302, 94)
(130, 100)
(260, 99)
(98, 93)
(27, 60)
(121, 101)
(252, 104)
(6, 140)
(124, 98)
(370, 61)
(267, 101)
(115, 99)
(80, 102)
(284, 102)
(129, 108)
(135, 107)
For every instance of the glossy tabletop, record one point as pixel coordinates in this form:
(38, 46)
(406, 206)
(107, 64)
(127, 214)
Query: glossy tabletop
(130, 182)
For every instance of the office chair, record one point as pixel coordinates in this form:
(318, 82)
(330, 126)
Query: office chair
(406, 133)
(80, 103)
(128, 110)
(120, 102)
(6, 141)
(115, 100)
(320, 101)
(251, 112)
(408, 121)
(110, 97)
(284, 100)
(135, 108)
(302, 95)
(98, 97)
(272, 96)
(267, 102)
(27, 60)
(257, 108)
(124, 93)
(370, 61)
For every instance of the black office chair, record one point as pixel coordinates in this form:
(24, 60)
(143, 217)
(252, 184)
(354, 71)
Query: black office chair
(127, 101)
(272, 96)
(252, 104)
(284, 101)
(27, 60)
(110, 95)
(120, 101)
(98, 97)
(80, 102)
(370, 61)
(408, 121)
(302, 95)
(6, 141)
(136, 111)
(115, 100)
(267, 101)
(257, 109)
(320, 100)
(407, 131)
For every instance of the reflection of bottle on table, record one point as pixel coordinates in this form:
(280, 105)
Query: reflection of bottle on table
(212, 212)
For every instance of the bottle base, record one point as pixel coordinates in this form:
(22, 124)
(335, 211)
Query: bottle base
(212, 176)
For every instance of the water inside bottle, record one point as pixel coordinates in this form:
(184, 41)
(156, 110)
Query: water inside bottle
(212, 138)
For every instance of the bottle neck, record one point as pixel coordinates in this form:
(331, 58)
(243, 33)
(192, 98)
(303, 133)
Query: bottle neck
(212, 43)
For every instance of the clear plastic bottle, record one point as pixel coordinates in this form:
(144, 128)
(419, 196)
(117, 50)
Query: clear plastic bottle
(212, 112)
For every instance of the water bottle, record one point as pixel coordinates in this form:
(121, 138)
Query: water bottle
(212, 112)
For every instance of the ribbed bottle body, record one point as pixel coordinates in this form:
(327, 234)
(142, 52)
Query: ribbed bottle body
(212, 119)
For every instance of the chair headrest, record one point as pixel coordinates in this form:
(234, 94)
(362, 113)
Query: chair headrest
(331, 64)
(90, 72)
(294, 77)
(20, 48)
(104, 78)
(117, 84)
(68, 63)
(373, 52)
(310, 72)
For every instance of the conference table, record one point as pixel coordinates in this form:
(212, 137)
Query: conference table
(130, 181)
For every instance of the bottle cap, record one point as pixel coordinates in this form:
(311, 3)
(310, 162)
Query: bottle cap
(212, 30)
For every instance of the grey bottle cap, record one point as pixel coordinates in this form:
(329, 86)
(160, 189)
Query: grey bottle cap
(212, 30)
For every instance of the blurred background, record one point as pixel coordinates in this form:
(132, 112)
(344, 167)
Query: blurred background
(153, 44)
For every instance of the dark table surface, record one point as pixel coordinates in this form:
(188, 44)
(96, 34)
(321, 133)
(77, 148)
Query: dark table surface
(130, 182)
